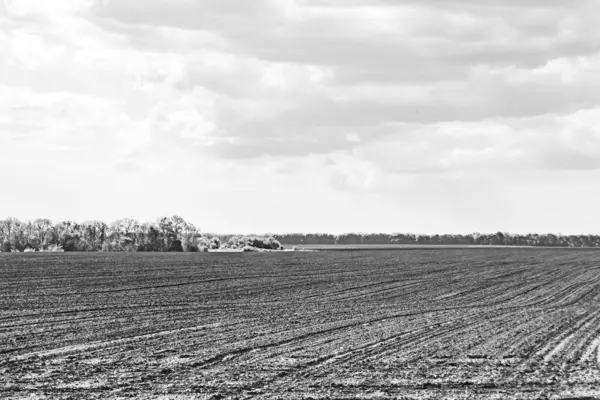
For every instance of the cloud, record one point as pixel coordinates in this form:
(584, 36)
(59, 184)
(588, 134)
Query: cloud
(317, 69)
(301, 77)
(350, 101)
(386, 34)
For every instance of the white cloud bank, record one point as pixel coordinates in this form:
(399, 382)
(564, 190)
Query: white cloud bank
(303, 115)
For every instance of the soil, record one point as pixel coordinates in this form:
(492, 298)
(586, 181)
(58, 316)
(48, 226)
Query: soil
(416, 324)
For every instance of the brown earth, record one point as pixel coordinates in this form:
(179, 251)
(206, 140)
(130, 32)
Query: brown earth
(415, 324)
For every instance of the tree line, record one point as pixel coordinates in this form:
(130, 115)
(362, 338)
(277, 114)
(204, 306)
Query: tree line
(494, 239)
(169, 234)
(175, 234)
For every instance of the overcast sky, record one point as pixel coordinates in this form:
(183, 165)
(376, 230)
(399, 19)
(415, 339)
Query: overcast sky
(303, 115)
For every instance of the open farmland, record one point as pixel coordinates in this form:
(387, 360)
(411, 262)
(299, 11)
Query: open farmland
(437, 323)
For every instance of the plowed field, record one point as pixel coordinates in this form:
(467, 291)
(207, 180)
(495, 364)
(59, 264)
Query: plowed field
(422, 324)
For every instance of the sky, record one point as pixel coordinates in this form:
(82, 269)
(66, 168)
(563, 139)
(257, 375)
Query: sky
(337, 116)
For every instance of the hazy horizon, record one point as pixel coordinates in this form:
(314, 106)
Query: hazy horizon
(445, 116)
(334, 233)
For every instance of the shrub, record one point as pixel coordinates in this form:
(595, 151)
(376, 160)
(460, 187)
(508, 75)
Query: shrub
(57, 248)
(273, 244)
(249, 249)
(175, 246)
(54, 248)
(111, 246)
(196, 244)
(215, 243)
(270, 243)
(72, 243)
(236, 242)
(203, 242)
(83, 245)
(29, 250)
(255, 242)
(6, 247)
(129, 247)
(189, 244)
(33, 243)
